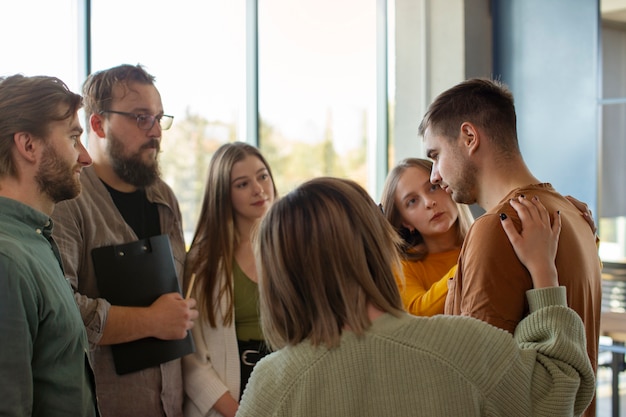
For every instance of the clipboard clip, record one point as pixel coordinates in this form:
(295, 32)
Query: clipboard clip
(124, 250)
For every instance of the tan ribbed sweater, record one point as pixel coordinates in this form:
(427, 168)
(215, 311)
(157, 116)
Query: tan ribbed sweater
(439, 366)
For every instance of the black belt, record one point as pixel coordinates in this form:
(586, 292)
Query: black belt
(252, 351)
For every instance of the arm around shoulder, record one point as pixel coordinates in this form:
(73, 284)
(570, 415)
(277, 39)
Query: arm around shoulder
(553, 351)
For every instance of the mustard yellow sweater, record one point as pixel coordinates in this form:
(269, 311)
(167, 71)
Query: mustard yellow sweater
(425, 283)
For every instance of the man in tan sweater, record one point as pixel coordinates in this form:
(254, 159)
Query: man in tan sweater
(470, 134)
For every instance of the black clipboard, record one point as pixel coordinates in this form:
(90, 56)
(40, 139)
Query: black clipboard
(136, 274)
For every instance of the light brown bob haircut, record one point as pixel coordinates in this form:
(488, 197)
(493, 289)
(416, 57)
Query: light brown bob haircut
(31, 104)
(487, 104)
(413, 246)
(324, 253)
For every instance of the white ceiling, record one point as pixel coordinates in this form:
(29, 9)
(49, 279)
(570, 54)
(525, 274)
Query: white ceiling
(614, 10)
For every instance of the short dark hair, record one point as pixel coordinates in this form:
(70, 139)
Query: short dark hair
(98, 87)
(30, 104)
(486, 103)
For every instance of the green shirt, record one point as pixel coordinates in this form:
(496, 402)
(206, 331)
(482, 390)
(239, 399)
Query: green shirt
(44, 365)
(247, 318)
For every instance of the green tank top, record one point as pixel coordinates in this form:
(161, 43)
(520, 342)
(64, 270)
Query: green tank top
(247, 318)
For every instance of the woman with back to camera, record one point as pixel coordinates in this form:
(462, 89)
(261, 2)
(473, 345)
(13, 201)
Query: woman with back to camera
(331, 306)
(228, 338)
(432, 227)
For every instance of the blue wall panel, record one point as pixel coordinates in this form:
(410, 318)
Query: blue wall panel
(547, 52)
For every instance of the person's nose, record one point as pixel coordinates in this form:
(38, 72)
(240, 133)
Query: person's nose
(431, 203)
(435, 178)
(84, 158)
(257, 187)
(155, 131)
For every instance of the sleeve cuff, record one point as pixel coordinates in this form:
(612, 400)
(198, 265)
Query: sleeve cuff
(544, 297)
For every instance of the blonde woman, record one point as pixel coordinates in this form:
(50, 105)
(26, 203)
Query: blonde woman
(432, 227)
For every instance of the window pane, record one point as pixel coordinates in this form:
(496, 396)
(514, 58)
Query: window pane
(196, 51)
(317, 88)
(612, 213)
(40, 38)
(613, 174)
(391, 82)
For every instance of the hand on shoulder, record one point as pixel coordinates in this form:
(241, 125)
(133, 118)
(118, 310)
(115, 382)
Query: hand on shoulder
(537, 243)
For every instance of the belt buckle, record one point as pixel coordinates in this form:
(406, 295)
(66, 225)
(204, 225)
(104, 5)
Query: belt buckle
(244, 356)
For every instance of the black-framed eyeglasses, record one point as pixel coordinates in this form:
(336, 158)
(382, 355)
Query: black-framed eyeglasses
(146, 121)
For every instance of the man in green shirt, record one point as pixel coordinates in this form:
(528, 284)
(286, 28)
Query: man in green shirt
(44, 362)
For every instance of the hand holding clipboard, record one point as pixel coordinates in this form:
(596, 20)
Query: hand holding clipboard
(137, 274)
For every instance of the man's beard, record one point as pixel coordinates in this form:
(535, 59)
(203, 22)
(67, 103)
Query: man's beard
(132, 169)
(56, 178)
(464, 190)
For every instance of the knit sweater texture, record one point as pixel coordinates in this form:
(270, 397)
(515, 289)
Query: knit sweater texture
(438, 366)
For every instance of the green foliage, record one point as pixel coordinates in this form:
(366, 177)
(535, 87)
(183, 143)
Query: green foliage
(188, 146)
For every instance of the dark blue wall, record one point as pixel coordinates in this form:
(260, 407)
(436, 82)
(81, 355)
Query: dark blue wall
(547, 52)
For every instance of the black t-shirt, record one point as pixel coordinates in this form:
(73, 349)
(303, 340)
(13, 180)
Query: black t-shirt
(138, 212)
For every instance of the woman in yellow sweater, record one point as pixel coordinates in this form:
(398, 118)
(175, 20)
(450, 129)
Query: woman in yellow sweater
(432, 226)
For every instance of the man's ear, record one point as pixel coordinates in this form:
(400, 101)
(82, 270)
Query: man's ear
(470, 136)
(26, 146)
(96, 123)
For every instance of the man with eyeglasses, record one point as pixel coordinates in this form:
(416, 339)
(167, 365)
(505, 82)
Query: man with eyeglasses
(123, 200)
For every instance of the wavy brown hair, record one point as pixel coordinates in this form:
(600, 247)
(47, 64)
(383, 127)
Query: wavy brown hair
(98, 87)
(325, 253)
(30, 104)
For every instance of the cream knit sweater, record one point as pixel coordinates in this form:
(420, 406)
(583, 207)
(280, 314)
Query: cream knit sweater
(440, 366)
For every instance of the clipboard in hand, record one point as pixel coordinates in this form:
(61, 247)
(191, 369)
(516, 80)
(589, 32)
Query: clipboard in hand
(136, 274)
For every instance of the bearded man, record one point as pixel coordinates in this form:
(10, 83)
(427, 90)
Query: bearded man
(470, 133)
(44, 363)
(124, 200)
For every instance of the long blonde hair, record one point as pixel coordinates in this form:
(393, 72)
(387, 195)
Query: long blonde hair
(325, 253)
(413, 246)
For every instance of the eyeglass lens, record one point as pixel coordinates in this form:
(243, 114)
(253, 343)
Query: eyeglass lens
(146, 121)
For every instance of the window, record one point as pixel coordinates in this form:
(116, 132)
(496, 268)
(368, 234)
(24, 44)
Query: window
(41, 43)
(196, 51)
(613, 172)
(319, 78)
(317, 88)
